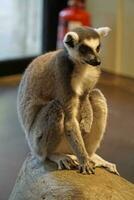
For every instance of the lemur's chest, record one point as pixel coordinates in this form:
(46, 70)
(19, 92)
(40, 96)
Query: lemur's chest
(84, 79)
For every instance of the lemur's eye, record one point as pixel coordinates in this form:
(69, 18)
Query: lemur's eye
(98, 48)
(84, 49)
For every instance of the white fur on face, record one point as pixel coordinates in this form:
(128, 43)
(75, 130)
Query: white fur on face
(93, 43)
(71, 51)
(73, 54)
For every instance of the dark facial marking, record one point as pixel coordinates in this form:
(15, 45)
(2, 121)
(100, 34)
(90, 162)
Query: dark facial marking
(84, 49)
(98, 48)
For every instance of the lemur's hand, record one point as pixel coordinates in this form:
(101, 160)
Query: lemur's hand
(87, 167)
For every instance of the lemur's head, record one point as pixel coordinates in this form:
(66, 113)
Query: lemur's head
(83, 44)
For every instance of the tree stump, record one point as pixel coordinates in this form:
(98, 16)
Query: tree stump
(38, 181)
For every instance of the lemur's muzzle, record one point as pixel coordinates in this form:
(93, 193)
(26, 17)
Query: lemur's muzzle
(95, 61)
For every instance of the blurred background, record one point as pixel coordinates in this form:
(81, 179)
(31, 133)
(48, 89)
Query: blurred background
(29, 28)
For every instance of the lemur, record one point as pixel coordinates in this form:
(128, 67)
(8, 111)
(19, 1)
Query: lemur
(61, 112)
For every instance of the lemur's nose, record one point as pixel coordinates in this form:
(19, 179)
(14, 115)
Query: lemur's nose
(95, 61)
(98, 61)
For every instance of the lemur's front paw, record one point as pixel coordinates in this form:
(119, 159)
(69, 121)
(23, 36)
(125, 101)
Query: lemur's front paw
(87, 167)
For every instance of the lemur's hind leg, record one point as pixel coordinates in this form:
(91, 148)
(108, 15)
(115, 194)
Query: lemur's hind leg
(50, 124)
(47, 129)
(46, 133)
(93, 140)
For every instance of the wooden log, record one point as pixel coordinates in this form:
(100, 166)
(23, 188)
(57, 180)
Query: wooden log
(38, 181)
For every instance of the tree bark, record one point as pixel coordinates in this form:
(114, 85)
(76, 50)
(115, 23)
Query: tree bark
(38, 181)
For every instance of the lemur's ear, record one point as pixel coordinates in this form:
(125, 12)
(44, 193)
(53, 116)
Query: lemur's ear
(71, 38)
(103, 31)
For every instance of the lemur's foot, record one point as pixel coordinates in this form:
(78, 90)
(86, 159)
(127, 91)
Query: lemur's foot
(100, 162)
(64, 161)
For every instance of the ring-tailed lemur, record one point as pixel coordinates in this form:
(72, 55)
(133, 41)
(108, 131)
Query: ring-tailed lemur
(63, 115)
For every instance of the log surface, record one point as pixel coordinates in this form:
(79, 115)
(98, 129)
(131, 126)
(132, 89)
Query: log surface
(38, 181)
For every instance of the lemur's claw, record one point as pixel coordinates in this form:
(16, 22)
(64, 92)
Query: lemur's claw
(112, 168)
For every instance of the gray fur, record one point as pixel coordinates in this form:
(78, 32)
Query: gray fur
(86, 32)
(60, 111)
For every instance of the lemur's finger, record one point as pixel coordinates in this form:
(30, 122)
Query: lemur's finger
(89, 171)
(83, 170)
(59, 165)
(113, 169)
(66, 164)
(92, 170)
(74, 162)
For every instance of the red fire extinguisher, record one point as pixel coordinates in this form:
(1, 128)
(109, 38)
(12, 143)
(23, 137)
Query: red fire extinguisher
(73, 16)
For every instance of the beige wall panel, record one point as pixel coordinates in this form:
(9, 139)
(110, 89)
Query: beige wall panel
(104, 14)
(128, 39)
(118, 51)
